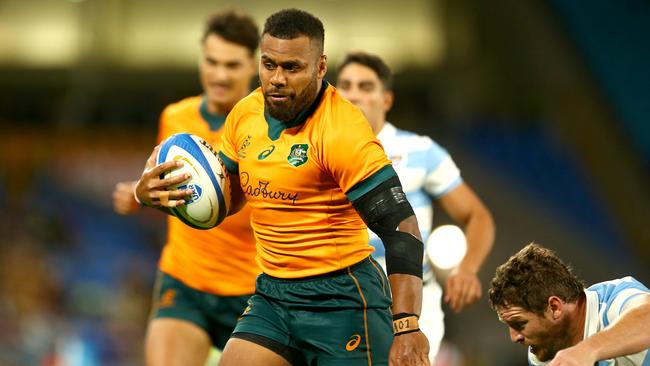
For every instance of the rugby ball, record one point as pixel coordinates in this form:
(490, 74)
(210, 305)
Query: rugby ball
(209, 202)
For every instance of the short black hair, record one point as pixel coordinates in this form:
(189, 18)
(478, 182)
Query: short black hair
(293, 23)
(233, 26)
(374, 62)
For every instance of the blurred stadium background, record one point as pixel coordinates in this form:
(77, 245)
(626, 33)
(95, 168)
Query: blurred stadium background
(543, 104)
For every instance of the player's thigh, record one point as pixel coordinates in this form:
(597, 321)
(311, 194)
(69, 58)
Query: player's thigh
(176, 342)
(352, 325)
(222, 313)
(240, 352)
(351, 337)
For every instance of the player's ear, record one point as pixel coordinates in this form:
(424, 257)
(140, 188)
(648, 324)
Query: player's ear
(389, 97)
(555, 307)
(322, 66)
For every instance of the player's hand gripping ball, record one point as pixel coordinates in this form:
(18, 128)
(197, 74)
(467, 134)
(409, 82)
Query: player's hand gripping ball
(208, 205)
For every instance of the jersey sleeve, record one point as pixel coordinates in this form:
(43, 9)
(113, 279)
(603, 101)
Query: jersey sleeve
(616, 294)
(352, 154)
(442, 173)
(229, 142)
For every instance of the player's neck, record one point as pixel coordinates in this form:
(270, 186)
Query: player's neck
(378, 126)
(222, 109)
(219, 109)
(578, 322)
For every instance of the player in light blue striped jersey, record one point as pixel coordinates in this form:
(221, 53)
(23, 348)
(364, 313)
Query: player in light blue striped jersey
(547, 309)
(427, 174)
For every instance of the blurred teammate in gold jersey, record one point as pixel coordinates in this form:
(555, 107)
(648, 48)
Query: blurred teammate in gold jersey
(205, 276)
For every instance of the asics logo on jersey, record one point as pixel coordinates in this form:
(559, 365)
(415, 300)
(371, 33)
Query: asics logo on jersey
(353, 342)
(298, 154)
(264, 154)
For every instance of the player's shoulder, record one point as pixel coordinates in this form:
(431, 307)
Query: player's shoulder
(413, 140)
(253, 103)
(185, 105)
(613, 288)
(339, 110)
(336, 101)
(254, 98)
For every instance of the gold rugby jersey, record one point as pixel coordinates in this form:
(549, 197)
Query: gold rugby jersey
(299, 178)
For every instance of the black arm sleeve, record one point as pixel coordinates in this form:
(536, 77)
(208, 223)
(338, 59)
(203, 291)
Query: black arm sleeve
(383, 209)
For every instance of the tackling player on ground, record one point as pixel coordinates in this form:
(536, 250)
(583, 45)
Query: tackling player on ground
(548, 310)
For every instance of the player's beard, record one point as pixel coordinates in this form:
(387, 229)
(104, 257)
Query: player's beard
(555, 340)
(288, 110)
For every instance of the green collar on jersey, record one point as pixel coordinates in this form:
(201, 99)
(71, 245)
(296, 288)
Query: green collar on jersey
(276, 126)
(215, 121)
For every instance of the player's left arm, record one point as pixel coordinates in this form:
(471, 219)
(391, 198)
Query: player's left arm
(462, 286)
(626, 335)
(369, 181)
(386, 212)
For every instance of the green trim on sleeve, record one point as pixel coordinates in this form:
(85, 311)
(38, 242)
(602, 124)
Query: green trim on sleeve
(231, 166)
(371, 182)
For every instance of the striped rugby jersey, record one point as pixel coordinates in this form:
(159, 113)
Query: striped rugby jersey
(605, 303)
(426, 172)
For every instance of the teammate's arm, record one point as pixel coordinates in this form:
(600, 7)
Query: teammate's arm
(462, 286)
(387, 213)
(124, 202)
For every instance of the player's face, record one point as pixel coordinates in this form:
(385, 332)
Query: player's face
(291, 71)
(360, 85)
(544, 335)
(225, 70)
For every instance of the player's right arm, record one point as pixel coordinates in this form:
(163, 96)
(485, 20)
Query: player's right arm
(151, 190)
(237, 197)
(228, 155)
(125, 201)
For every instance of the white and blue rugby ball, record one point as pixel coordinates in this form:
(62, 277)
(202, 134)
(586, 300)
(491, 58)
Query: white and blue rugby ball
(209, 203)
